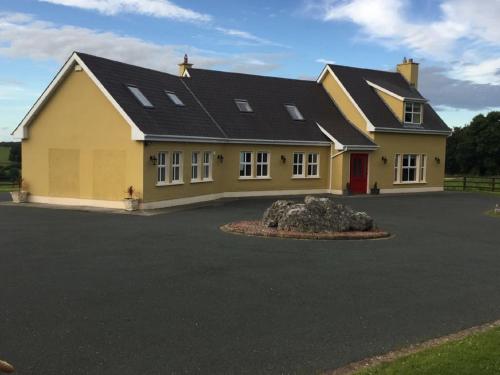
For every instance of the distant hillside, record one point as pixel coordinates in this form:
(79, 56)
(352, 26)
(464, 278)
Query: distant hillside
(4, 155)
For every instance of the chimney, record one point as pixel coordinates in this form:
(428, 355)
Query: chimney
(184, 66)
(409, 70)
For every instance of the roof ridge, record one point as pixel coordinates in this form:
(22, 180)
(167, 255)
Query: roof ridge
(254, 75)
(358, 68)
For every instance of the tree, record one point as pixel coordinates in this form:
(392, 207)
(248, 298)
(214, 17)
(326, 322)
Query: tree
(15, 152)
(475, 148)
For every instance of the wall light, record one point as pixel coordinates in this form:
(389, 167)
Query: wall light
(153, 159)
(220, 158)
(384, 159)
(437, 159)
(283, 159)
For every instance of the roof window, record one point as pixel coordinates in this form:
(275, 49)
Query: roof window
(140, 96)
(174, 98)
(294, 112)
(243, 105)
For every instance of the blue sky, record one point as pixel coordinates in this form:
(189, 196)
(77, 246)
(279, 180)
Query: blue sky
(457, 42)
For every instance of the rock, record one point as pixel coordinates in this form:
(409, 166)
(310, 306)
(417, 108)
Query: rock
(316, 214)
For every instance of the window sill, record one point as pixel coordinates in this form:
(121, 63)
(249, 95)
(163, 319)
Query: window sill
(305, 177)
(410, 183)
(246, 178)
(254, 178)
(159, 184)
(201, 181)
(263, 178)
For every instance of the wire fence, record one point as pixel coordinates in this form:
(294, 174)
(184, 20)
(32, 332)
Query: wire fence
(467, 183)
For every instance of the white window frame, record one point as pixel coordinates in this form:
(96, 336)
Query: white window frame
(312, 164)
(244, 163)
(162, 165)
(195, 166)
(176, 165)
(300, 164)
(174, 98)
(243, 105)
(294, 112)
(260, 165)
(413, 112)
(207, 166)
(420, 168)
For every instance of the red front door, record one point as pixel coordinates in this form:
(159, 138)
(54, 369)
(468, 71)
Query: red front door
(359, 173)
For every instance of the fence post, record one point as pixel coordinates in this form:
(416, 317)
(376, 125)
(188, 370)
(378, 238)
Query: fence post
(465, 184)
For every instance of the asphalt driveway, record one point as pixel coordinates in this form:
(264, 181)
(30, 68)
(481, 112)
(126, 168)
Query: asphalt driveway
(98, 293)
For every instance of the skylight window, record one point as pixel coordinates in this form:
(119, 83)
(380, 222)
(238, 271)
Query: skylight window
(174, 98)
(140, 96)
(294, 112)
(243, 105)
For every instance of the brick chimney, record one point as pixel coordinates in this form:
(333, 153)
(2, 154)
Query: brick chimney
(184, 66)
(409, 70)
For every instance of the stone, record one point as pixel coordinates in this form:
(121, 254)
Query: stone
(316, 214)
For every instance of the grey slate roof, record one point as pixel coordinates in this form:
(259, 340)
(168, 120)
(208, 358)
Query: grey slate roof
(379, 114)
(214, 92)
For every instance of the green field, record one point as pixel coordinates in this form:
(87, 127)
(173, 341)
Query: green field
(6, 186)
(477, 354)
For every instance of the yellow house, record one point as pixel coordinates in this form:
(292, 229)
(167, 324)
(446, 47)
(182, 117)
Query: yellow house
(102, 126)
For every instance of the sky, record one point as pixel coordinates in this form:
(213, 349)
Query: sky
(456, 42)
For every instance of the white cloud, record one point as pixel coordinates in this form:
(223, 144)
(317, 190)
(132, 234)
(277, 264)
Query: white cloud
(462, 25)
(249, 37)
(155, 8)
(23, 36)
(325, 61)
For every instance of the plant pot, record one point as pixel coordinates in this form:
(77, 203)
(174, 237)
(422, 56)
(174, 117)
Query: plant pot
(346, 192)
(19, 196)
(131, 204)
(374, 191)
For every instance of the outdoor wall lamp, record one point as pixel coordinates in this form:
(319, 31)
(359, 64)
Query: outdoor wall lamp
(153, 159)
(384, 159)
(437, 159)
(220, 158)
(283, 159)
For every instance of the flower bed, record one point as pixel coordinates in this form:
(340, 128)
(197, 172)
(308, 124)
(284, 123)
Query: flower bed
(256, 228)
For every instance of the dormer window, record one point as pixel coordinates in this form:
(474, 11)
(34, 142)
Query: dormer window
(243, 105)
(294, 112)
(140, 96)
(413, 113)
(174, 98)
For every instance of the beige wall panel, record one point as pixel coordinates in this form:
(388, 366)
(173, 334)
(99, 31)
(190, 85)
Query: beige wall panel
(64, 173)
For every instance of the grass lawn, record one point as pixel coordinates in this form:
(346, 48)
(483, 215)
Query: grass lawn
(5, 187)
(477, 354)
(492, 213)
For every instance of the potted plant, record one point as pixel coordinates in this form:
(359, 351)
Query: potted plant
(347, 190)
(375, 189)
(21, 194)
(131, 202)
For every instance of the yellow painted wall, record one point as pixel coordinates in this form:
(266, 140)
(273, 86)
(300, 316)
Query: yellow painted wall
(395, 105)
(79, 146)
(392, 144)
(226, 173)
(343, 102)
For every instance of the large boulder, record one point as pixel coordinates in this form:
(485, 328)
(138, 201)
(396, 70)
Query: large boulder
(315, 215)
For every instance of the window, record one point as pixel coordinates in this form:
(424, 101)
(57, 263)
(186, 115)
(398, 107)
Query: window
(195, 159)
(413, 113)
(410, 168)
(298, 164)
(243, 105)
(312, 165)
(174, 98)
(423, 166)
(176, 167)
(262, 164)
(294, 112)
(140, 96)
(161, 168)
(245, 164)
(207, 165)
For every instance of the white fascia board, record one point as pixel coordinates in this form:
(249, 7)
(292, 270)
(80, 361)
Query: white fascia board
(197, 139)
(341, 147)
(399, 97)
(369, 125)
(21, 131)
(411, 131)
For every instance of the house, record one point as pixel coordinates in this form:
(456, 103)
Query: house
(103, 125)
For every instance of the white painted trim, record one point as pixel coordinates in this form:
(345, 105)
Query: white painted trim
(412, 190)
(79, 202)
(336, 192)
(370, 127)
(235, 194)
(394, 95)
(412, 131)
